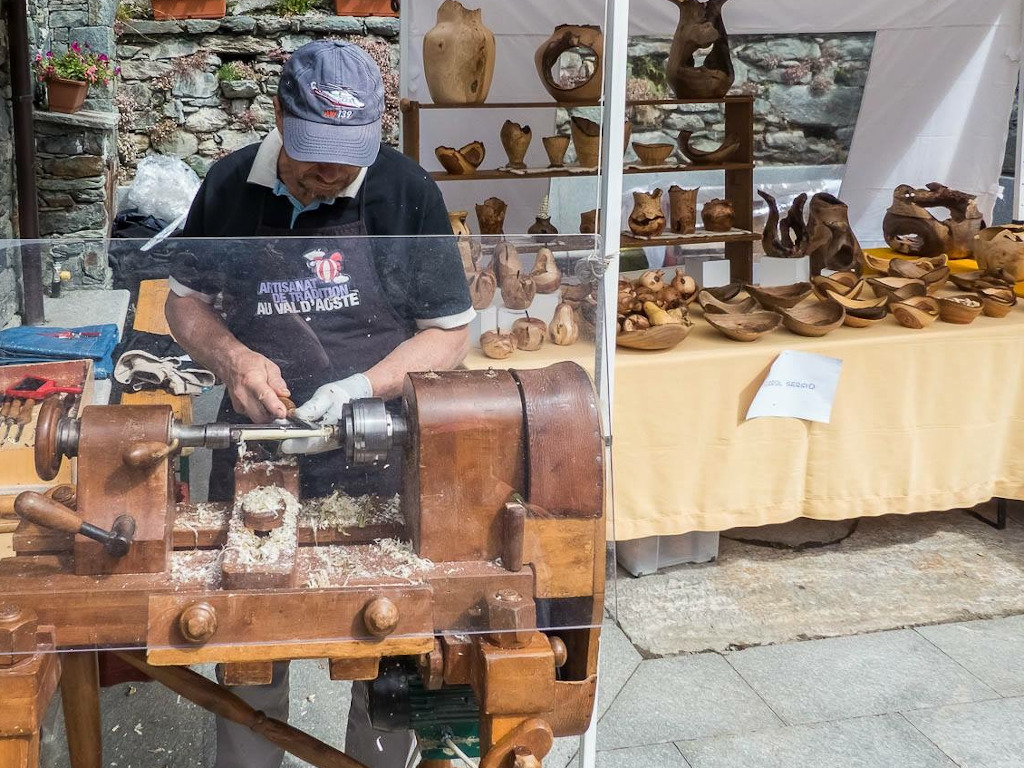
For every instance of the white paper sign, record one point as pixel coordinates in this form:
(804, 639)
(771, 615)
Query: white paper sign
(800, 385)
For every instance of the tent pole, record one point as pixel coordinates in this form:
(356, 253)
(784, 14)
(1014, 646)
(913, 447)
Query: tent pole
(1018, 176)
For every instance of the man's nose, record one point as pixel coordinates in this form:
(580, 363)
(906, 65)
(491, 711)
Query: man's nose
(330, 172)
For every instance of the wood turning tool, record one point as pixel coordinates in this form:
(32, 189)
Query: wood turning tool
(473, 609)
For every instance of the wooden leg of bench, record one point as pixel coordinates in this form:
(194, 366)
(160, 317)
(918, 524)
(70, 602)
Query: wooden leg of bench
(80, 695)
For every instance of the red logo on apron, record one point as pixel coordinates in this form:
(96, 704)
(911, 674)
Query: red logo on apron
(327, 268)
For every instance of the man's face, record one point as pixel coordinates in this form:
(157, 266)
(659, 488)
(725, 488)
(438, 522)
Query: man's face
(311, 181)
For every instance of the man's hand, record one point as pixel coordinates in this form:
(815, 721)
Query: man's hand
(255, 386)
(325, 407)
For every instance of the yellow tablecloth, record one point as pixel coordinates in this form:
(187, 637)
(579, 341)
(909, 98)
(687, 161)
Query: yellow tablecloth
(923, 420)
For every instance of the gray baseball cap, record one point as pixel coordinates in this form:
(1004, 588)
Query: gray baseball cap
(333, 98)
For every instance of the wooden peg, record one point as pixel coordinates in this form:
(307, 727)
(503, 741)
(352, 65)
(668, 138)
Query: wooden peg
(148, 454)
(380, 617)
(512, 532)
(198, 622)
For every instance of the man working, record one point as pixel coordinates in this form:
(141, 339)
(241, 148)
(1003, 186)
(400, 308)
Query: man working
(319, 314)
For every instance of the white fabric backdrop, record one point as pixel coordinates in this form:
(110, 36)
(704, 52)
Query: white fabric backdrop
(936, 104)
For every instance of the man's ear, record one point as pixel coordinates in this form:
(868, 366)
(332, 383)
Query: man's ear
(278, 115)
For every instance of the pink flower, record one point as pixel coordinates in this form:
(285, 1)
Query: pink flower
(117, 71)
(49, 54)
(103, 57)
(39, 57)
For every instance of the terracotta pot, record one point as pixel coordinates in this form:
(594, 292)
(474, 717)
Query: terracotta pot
(65, 96)
(682, 205)
(458, 56)
(364, 8)
(565, 38)
(189, 9)
(586, 137)
(718, 215)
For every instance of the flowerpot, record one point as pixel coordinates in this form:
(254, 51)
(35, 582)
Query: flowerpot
(65, 95)
(364, 8)
(189, 9)
(458, 56)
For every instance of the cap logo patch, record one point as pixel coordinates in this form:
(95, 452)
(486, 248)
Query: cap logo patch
(336, 96)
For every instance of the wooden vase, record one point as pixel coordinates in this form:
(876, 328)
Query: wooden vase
(586, 137)
(647, 218)
(700, 25)
(515, 138)
(189, 9)
(718, 215)
(589, 222)
(556, 147)
(458, 56)
(491, 216)
(682, 205)
(65, 96)
(565, 38)
(829, 239)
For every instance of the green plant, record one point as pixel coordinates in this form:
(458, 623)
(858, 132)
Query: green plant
(180, 67)
(77, 63)
(380, 52)
(294, 7)
(230, 71)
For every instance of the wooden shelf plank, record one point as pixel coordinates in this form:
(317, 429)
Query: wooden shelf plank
(700, 238)
(555, 173)
(563, 105)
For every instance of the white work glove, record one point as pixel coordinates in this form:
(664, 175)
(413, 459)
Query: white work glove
(325, 407)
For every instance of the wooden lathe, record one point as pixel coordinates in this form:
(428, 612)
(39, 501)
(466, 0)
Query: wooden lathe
(473, 602)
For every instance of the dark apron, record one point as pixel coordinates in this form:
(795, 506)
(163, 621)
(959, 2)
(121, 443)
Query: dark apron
(316, 307)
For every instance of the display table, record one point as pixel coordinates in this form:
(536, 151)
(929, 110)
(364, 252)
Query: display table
(923, 420)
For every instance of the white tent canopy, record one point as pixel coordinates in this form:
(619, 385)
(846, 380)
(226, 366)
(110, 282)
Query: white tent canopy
(935, 108)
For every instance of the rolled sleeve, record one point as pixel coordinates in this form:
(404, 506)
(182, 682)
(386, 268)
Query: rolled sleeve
(180, 289)
(448, 322)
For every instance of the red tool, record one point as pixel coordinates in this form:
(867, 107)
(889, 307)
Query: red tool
(34, 388)
(73, 335)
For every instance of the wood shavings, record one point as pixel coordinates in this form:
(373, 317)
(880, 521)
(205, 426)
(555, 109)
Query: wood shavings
(339, 510)
(384, 559)
(196, 568)
(245, 548)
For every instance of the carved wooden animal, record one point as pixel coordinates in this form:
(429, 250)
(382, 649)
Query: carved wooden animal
(908, 226)
(700, 25)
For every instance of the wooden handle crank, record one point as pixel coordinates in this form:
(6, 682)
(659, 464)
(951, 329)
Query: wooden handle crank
(44, 511)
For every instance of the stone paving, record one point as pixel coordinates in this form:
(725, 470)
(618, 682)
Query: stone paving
(949, 695)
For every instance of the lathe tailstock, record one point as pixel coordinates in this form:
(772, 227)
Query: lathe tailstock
(473, 601)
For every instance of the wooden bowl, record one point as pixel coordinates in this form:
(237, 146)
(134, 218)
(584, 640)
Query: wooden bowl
(978, 279)
(897, 288)
(916, 312)
(960, 309)
(997, 302)
(814, 319)
(726, 292)
(935, 279)
(780, 296)
(741, 305)
(917, 268)
(749, 327)
(652, 154)
(845, 283)
(862, 318)
(656, 337)
(876, 263)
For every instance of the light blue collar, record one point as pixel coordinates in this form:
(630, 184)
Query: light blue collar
(282, 191)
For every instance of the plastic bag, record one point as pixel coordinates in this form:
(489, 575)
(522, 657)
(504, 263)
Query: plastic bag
(164, 187)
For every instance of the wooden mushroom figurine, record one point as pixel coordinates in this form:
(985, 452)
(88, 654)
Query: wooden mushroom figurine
(515, 138)
(647, 218)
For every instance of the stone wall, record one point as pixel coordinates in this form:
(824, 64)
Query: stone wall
(8, 277)
(178, 95)
(808, 91)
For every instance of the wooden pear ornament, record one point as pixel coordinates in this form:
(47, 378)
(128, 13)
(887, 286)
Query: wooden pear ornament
(547, 277)
(515, 138)
(506, 262)
(458, 56)
(482, 287)
(647, 218)
(469, 251)
(496, 344)
(564, 330)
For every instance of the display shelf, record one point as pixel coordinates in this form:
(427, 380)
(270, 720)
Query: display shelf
(496, 174)
(739, 176)
(698, 238)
